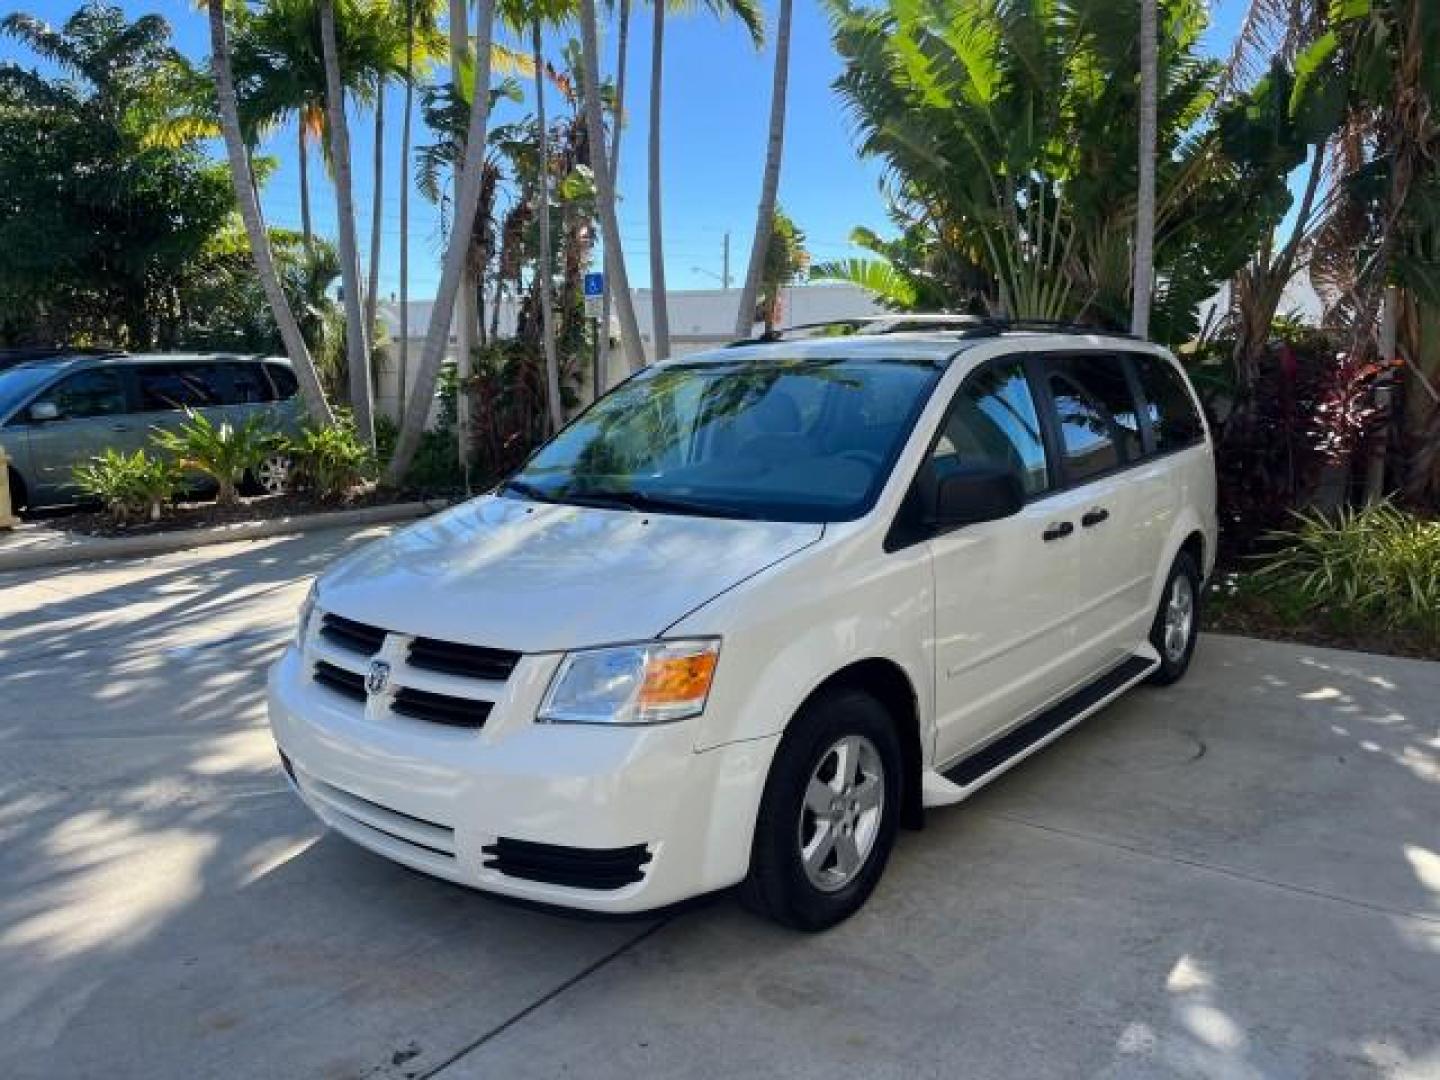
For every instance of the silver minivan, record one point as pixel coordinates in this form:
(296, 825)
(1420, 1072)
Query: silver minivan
(60, 412)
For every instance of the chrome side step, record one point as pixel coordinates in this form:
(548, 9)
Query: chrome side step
(971, 773)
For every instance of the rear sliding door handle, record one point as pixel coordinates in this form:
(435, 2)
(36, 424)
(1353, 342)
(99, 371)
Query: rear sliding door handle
(1058, 531)
(1095, 517)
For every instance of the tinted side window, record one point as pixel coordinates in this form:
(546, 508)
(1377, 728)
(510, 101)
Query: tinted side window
(1086, 431)
(250, 385)
(1103, 379)
(100, 392)
(1172, 411)
(994, 421)
(180, 386)
(284, 381)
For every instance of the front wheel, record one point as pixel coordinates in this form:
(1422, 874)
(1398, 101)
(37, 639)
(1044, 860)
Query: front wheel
(1177, 622)
(829, 814)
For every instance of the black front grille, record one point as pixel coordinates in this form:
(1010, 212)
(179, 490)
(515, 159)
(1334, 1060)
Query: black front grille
(348, 634)
(441, 708)
(579, 868)
(348, 683)
(474, 661)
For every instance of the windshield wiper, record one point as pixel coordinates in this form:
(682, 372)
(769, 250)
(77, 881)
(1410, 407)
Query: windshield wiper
(528, 491)
(600, 501)
(644, 500)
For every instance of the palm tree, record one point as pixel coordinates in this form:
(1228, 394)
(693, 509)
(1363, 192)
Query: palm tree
(243, 181)
(605, 186)
(748, 12)
(1144, 272)
(622, 57)
(543, 271)
(470, 178)
(770, 180)
(357, 334)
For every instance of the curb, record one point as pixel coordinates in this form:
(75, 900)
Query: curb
(93, 549)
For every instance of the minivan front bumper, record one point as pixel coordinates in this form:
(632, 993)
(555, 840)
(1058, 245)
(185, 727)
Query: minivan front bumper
(604, 818)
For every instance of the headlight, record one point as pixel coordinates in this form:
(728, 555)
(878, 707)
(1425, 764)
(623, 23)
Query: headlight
(307, 609)
(651, 683)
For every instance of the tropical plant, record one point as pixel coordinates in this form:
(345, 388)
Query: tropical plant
(332, 460)
(98, 224)
(243, 181)
(770, 177)
(223, 452)
(1010, 135)
(1378, 563)
(786, 261)
(130, 485)
(616, 274)
(750, 15)
(470, 181)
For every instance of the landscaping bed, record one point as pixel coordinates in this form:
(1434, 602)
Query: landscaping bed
(1235, 604)
(184, 516)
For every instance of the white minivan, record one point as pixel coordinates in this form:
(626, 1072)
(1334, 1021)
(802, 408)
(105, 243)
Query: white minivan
(755, 610)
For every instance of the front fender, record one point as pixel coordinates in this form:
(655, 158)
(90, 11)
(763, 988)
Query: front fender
(792, 627)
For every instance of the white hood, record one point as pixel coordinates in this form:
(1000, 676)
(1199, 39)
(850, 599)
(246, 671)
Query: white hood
(536, 577)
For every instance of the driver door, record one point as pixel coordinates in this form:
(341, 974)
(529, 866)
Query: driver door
(92, 415)
(1005, 591)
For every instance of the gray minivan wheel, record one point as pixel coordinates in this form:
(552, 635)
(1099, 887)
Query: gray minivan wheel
(272, 476)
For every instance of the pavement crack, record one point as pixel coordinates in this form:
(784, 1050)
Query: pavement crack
(540, 1002)
(1214, 868)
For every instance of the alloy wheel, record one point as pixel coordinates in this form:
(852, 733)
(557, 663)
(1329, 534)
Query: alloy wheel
(840, 816)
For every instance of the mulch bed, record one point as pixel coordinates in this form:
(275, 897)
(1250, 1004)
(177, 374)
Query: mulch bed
(1253, 616)
(200, 515)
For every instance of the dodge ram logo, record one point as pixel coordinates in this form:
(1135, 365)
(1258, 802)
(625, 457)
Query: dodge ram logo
(378, 677)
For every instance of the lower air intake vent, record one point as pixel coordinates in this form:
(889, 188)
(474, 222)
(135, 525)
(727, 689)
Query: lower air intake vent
(579, 868)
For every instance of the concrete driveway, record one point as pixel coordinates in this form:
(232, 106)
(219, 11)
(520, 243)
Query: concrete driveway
(1236, 877)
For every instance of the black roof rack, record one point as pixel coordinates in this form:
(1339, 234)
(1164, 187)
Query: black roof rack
(967, 326)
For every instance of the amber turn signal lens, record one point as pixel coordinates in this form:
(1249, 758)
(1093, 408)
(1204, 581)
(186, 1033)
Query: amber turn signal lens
(673, 680)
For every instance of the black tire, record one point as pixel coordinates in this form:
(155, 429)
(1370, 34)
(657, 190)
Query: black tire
(1175, 662)
(779, 887)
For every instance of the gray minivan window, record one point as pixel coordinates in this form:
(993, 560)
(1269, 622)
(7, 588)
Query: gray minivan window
(165, 387)
(17, 384)
(97, 392)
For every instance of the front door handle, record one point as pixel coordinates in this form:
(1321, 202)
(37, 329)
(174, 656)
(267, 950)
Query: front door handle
(1058, 531)
(1095, 517)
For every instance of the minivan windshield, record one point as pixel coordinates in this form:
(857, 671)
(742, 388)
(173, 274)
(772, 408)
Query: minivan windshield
(779, 439)
(17, 384)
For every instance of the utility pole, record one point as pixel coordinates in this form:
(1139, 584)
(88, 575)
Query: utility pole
(725, 265)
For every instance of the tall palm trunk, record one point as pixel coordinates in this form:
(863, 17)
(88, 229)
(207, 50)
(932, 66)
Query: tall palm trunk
(544, 276)
(1144, 271)
(770, 180)
(417, 409)
(622, 56)
(604, 182)
(405, 201)
(377, 202)
(305, 228)
(242, 179)
(465, 318)
(357, 338)
(659, 305)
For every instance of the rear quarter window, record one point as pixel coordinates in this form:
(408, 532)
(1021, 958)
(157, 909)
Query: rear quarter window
(284, 381)
(1173, 416)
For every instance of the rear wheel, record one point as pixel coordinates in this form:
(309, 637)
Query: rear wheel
(829, 814)
(271, 476)
(1177, 622)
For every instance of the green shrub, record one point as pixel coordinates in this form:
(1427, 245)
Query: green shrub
(223, 452)
(1378, 565)
(130, 485)
(331, 460)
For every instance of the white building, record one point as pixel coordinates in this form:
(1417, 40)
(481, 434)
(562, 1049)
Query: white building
(699, 319)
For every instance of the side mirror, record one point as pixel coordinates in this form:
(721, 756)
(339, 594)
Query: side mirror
(975, 493)
(44, 410)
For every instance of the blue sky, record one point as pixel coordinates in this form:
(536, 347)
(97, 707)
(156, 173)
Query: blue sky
(717, 96)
